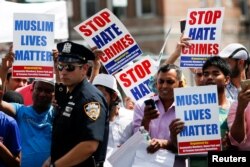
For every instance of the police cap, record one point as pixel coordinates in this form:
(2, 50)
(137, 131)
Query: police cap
(70, 52)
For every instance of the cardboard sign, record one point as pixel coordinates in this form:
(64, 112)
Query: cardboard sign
(33, 43)
(198, 108)
(106, 31)
(135, 79)
(204, 27)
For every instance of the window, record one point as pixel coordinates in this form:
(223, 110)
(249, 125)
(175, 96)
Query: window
(145, 7)
(89, 8)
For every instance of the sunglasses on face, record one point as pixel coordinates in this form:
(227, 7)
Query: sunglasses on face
(67, 67)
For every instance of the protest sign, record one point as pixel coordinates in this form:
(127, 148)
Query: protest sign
(57, 8)
(106, 31)
(32, 45)
(198, 108)
(204, 27)
(135, 79)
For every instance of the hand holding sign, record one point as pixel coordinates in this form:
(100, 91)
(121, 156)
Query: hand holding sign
(7, 61)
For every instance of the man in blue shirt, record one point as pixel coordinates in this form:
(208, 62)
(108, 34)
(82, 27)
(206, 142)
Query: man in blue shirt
(10, 145)
(35, 123)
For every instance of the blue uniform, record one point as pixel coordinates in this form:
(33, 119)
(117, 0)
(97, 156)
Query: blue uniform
(84, 117)
(9, 135)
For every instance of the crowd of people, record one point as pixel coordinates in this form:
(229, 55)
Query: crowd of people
(92, 119)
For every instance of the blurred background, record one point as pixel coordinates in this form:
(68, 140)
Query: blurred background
(149, 20)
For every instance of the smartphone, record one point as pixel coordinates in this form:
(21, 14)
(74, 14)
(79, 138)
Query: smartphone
(182, 25)
(150, 102)
(60, 93)
(245, 84)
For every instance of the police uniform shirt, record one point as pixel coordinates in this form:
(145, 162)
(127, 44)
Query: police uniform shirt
(84, 117)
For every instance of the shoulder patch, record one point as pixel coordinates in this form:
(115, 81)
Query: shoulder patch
(92, 110)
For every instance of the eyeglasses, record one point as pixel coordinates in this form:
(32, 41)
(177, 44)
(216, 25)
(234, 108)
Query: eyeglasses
(68, 67)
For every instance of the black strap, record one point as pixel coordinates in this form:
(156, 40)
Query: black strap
(237, 50)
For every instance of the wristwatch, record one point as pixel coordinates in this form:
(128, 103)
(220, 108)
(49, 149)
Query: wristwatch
(52, 165)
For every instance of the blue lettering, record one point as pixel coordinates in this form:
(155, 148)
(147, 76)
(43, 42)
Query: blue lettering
(116, 29)
(106, 36)
(207, 113)
(180, 101)
(34, 25)
(195, 114)
(197, 130)
(28, 55)
(192, 33)
(136, 93)
(202, 33)
(98, 41)
(106, 39)
(143, 89)
(195, 99)
(33, 40)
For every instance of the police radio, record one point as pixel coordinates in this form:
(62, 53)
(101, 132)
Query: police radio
(60, 93)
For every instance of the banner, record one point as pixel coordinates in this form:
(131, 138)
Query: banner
(32, 45)
(7, 10)
(203, 26)
(198, 108)
(107, 32)
(135, 79)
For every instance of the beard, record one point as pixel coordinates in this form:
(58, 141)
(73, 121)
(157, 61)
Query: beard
(235, 72)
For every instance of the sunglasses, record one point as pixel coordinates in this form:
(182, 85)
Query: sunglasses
(67, 67)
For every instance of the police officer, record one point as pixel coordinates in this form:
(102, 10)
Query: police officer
(80, 128)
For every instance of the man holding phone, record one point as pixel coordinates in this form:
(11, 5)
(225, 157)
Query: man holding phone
(157, 119)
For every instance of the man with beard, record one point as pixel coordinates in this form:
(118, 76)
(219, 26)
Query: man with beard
(237, 57)
(216, 71)
(156, 120)
(34, 122)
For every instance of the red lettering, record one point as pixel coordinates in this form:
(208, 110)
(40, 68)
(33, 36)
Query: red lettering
(208, 17)
(204, 17)
(86, 31)
(126, 81)
(90, 23)
(118, 46)
(99, 21)
(107, 53)
(124, 42)
(217, 15)
(184, 50)
(215, 49)
(146, 65)
(105, 15)
(130, 72)
(139, 71)
(201, 49)
(201, 13)
(129, 39)
(193, 18)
